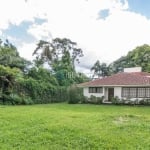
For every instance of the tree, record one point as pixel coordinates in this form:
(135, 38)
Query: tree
(96, 68)
(61, 55)
(140, 56)
(100, 69)
(104, 70)
(59, 50)
(43, 75)
(8, 78)
(9, 56)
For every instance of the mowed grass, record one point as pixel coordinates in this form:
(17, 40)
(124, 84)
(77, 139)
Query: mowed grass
(76, 127)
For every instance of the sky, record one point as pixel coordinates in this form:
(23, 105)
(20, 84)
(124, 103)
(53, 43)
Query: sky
(104, 29)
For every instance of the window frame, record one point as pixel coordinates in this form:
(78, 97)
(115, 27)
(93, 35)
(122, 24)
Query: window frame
(95, 89)
(141, 92)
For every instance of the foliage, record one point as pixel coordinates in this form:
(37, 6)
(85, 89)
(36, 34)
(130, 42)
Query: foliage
(140, 56)
(43, 75)
(9, 56)
(59, 51)
(100, 70)
(84, 100)
(100, 100)
(8, 77)
(95, 100)
(116, 100)
(41, 92)
(61, 55)
(75, 95)
(144, 102)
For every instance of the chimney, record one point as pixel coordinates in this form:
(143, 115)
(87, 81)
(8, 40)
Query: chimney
(134, 69)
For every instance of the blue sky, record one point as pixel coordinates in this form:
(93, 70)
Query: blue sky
(140, 6)
(104, 29)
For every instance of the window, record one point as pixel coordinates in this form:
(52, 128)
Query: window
(95, 90)
(125, 92)
(134, 92)
(147, 92)
(141, 92)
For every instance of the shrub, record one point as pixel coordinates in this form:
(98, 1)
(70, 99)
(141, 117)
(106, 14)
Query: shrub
(15, 99)
(131, 102)
(7, 99)
(100, 100)
(84, 100)
(116, 100)
(27, 101)
(75, 95)
(147, 101)
(93, 99)
(144, 102)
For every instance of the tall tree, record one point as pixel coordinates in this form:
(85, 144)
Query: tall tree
(9, 56)
(8, 77)
(61, 55)
(96, 68)
(100, 70)
(140, 56)
(59, 50)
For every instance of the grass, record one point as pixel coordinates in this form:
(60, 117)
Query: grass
(76, 127)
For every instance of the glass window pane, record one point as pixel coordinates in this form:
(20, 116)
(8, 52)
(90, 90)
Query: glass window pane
(125, 92)
(147, 92)
(132, 92)
(99, 90)
(141, 92)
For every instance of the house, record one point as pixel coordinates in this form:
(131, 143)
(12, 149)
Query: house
(131, 84)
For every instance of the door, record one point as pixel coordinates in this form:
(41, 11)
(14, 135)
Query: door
(110, 93)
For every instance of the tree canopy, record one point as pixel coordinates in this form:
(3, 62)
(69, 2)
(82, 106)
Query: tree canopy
(140, 56)
(9, 56)
(100, 69)
(61, 55)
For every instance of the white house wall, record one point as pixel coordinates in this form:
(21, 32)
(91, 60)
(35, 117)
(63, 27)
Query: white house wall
(117, 92)
(106, 94)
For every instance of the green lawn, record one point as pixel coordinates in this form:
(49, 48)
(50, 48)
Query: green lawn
(76, 127)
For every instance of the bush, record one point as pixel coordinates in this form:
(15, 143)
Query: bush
(116, 100)
(144, 102)
(84, 100)
(16, 99)
(75, 95)
(27, 101)
(7, 99)
(147, 101)
(95, 100)
(100, 100)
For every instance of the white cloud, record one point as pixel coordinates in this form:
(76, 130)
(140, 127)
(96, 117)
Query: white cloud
(40, 31)
(104, 39)
(26, 50)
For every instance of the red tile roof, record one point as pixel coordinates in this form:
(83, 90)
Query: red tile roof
(124, 79)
